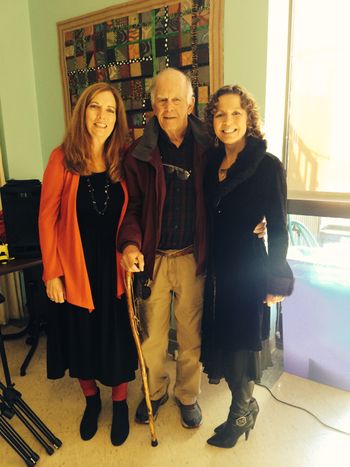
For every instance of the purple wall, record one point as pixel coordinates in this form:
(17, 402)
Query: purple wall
(316, 324)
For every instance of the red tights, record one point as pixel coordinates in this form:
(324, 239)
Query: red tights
(89, 387)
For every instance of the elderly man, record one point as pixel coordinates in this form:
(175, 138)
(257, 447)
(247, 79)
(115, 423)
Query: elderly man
(164, 233)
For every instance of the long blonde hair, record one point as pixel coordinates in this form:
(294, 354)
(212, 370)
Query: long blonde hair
(77, 141)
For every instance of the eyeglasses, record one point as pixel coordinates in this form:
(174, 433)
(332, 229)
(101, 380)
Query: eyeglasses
(182, 174)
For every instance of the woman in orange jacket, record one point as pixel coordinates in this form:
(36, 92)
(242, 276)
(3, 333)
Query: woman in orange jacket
(83, 202)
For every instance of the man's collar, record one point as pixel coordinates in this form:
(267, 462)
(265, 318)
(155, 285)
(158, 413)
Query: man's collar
(164, 138)
(149, 140)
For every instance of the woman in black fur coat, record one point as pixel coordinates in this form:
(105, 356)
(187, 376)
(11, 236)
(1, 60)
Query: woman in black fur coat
(243, 184)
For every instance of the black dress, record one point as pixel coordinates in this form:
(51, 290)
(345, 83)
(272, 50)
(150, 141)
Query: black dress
(98, 344)
(240, 271)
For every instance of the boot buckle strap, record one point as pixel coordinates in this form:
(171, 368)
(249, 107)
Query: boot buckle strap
(241, 421)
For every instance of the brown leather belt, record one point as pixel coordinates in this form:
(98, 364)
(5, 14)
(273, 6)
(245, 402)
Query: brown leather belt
(175, 253)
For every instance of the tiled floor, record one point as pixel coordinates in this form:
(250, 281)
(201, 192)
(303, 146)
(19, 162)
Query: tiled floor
(283, 436)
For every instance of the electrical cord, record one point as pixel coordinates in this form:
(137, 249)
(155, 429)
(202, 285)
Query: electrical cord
(304, 410)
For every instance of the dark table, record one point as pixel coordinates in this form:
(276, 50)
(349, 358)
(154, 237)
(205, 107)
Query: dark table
(32, 270)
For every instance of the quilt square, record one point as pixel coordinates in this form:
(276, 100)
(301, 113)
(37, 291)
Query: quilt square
(161, 64)
(173, 42)
(88, 31)
(202, 94)
(137, 91)
(147, 68)
(111, 55)
(70, 62)
(186, 5)
(133, 35)
(203, 35)
(111, 38)
(135, 69)
(145, 48)
(80, 62)
(90, 60)
(69, 51)
(147, 31)
(100, 28)
(91, 76)
(124, 71)
(202, 55)
(89, 44)
(133, 19)
(101, 74)
(127, 102)
(120, 22)
(99, 42)
(121, 36)
(160, 47)
(134, 51)
(146, 18)
(148, 82)
(113, 72)
(203, 75)
(174, 60)
(186, 22)
(118, 87)
(186, 58)
(186, 39)
(126, 89)
(100, 58)
(121, 53)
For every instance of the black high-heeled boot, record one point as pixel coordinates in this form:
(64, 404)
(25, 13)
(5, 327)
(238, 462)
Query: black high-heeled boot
(88, 424)
(253, 409)
(120, 423)
(234, 428)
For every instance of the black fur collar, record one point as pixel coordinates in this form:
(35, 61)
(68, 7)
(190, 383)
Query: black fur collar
(247, 163)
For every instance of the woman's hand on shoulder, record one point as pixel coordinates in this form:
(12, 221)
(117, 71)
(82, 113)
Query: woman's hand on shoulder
(55, 290)
(272, 299)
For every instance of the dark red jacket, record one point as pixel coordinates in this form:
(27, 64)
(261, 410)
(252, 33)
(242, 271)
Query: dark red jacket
(147, 189)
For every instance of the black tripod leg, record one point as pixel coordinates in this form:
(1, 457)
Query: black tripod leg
(17, 443)
(4, 362)
(36, 303)
(57, 443)
(29, 356)
(34, 432)
(14, 400)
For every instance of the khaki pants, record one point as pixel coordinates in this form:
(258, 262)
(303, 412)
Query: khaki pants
(178, 275)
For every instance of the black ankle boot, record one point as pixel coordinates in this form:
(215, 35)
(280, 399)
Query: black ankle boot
(88, 424)
(234, 428)
(120, 423)
(253, 409)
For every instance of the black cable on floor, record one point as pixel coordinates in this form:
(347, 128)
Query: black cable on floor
(304, 410)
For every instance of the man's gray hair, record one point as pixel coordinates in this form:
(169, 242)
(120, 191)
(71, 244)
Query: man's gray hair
(190, 92)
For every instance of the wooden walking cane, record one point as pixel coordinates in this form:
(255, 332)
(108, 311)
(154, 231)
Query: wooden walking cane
(135, 333)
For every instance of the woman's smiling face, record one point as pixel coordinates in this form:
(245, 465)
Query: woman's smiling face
(230, 120)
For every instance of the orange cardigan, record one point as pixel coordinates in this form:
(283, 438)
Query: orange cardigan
(60, 241)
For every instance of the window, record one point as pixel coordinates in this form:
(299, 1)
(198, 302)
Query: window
(318, 153)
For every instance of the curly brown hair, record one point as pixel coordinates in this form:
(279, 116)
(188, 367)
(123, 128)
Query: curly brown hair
(248, 104)
(77, 141)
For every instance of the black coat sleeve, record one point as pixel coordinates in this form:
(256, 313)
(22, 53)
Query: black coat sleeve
(280, 276)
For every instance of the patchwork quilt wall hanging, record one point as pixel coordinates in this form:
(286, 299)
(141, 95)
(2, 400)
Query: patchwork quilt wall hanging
(130, 43)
